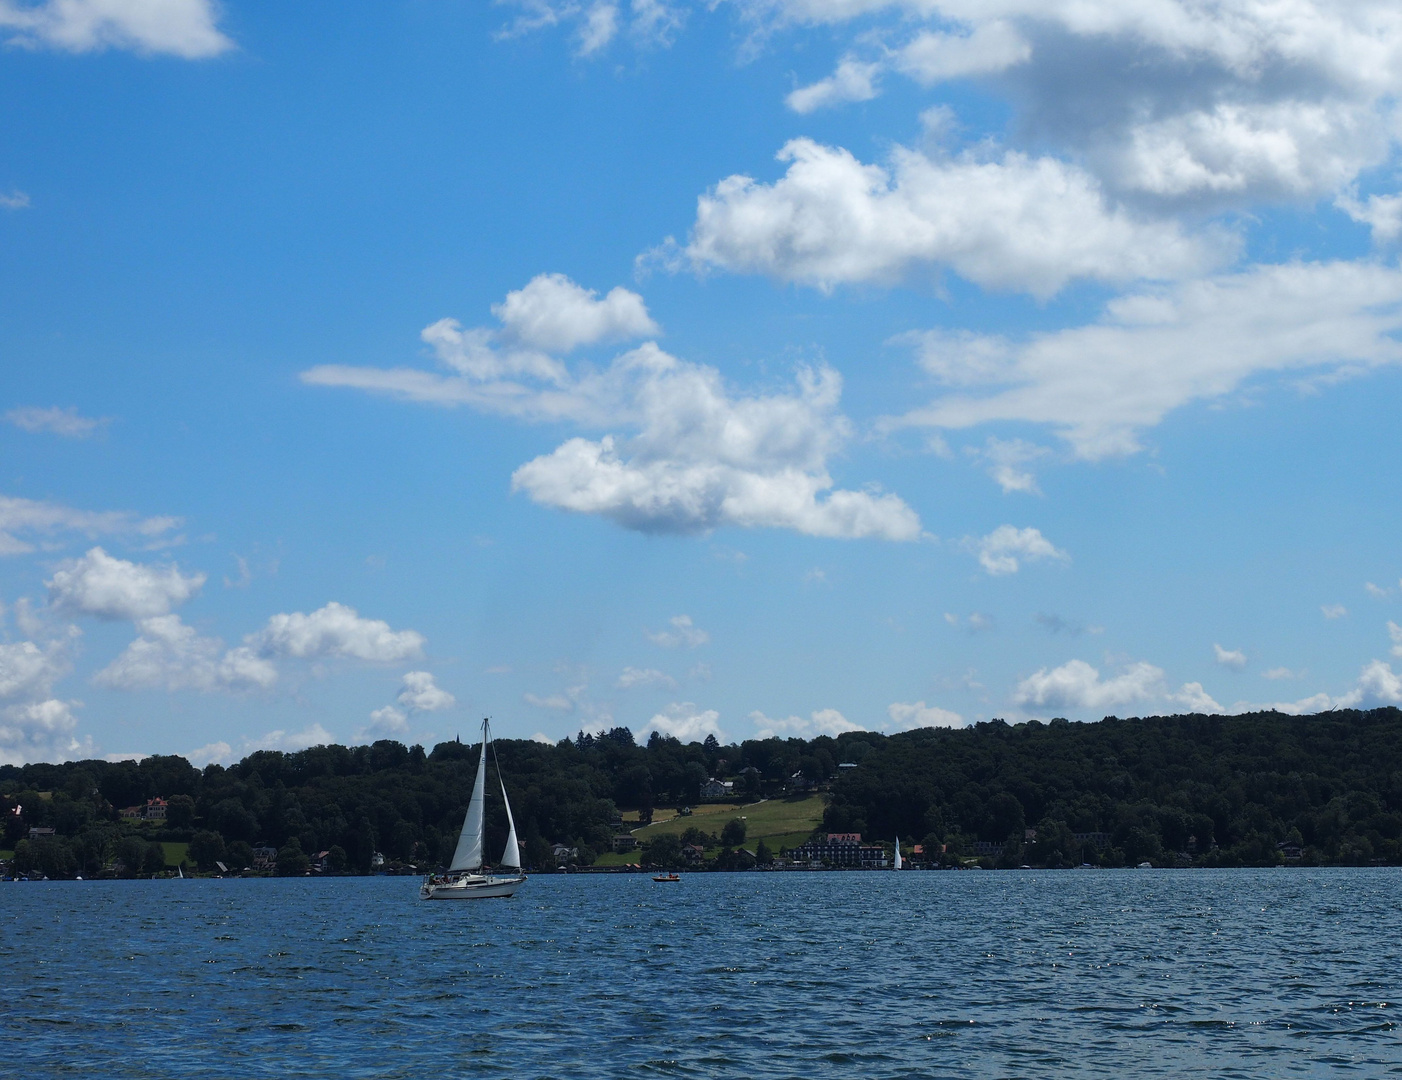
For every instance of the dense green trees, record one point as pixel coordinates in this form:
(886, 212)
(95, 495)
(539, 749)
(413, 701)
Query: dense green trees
(665, 852)
(1222, 790)
(206, 849)
(1209, 789)
(291, 859)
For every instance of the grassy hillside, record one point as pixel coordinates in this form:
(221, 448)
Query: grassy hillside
(778, 822)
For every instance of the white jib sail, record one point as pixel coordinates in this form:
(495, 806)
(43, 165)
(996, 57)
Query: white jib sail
(468, 855)
(511, 857)
(897, 863)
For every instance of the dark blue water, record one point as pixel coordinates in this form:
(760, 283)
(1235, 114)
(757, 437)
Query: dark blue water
(1241, 973)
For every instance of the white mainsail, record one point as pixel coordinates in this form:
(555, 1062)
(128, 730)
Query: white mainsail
(468, 855)
(897, 864)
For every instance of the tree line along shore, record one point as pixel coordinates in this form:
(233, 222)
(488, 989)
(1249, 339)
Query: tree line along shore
(1259, 789)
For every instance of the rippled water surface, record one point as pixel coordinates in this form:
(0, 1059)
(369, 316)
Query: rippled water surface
(1242, 973)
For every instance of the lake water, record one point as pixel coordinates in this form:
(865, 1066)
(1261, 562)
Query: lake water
(1240, 973)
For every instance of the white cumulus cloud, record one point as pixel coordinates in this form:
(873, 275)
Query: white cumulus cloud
(1194, 698)
(907, 716)
(555, 315)
(1010, 222)
(422, 694)
(1211, 104)
(210, 753)
(703, 459)
(289, 741)
(27, 670)
(1077, 685)
(1273, 150)
(184, 28)
(1007, 460)
(934, 57)
(819, 722)
(1382, 213)
(680, 451)
(385, 723)
(111, 588)
(335, 631)
(852, 81)
(1174, 103)
(1005, 549)
(1229, 658)
(171, 654)
(1378, 684)
(685, 722)
(34, 725)
(43, 730)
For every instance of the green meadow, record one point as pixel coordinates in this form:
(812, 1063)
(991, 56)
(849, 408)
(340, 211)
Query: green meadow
(778, 822)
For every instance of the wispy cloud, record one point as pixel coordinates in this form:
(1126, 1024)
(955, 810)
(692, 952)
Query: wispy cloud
(25, 522)
(632, 677)
(55, 421)
(683, 633)
(559, 702)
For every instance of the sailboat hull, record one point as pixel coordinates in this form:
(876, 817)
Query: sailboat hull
(472, 887)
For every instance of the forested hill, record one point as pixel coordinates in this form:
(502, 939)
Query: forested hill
(1223, 790)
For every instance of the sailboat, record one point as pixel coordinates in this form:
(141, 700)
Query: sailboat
(467, 878)
(896, 865)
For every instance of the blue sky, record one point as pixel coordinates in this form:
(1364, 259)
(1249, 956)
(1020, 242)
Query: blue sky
(773, 366)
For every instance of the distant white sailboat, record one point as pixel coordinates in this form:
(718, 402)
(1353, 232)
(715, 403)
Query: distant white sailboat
(896, 865)
(467, 878)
